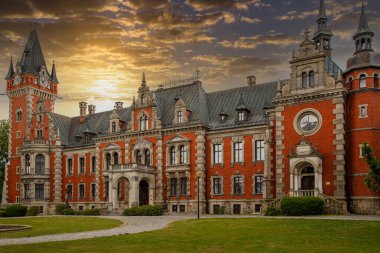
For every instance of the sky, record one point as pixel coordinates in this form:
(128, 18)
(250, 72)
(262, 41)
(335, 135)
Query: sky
(101, 47)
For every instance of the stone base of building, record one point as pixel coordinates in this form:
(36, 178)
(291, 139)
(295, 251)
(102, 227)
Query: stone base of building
(236, 207)
(368, 206)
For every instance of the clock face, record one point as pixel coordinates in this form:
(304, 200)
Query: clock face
(44, 81)
(308, 122)
(17, 80)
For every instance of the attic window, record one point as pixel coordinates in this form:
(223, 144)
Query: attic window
(223, 117)
(242, 116)
(113, 127)
(180, 117)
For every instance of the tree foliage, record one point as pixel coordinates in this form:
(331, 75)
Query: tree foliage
(4, 129)
(373, 178)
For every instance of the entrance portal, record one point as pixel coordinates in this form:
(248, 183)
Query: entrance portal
(307, 178)
(143, 193)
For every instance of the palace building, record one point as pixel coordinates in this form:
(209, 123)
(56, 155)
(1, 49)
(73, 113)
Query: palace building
(239, 149)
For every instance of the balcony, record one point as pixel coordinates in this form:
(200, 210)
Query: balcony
(37, 141)
(31, 175)
(178, 168)
(130, 167)
(34, 200)
(306, 193)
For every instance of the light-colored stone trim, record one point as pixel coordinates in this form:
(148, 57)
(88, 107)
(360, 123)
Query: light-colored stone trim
(232, 185)
(279, 151)
(339, 142)
(212, 185)
(233, 141)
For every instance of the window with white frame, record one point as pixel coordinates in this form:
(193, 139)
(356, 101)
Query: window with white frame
(217, 153)
(238, 184)
(217, 185)
(144, 123)
(93, 190)
(242, 116)
(40, 164)
(70, 166)
(363, 81)
(173, 155)
(173, 186)
(259, 184)
(182, 154)
(259, 150)
(238, 152)
(180, 117)
(363, 112)
(81, 191)
(81, 165)
(69, 191)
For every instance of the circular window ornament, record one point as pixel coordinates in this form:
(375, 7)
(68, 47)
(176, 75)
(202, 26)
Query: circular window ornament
(307, 122)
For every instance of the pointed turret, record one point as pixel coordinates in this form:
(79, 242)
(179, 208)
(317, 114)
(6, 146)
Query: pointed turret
(32, 58)
(54, 74)
(143, 81)
(11, 70)
(322, 37)
(363, 37)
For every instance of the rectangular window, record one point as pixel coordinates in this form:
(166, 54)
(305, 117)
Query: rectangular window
(238, 152)
(93, 190)
(81, 191)
(363, 111)
(39, 133)
(18, 134)
(173, 186)
(259, 184)
(259, 150)
(242, 116)
(238, 185)
(39, 191)
(218, 153)
(26, 191)
(70, 166)
(93, 164)
(182, 208)
(174, 208)
(81, 165)
(216, 209)
(217, 185)
(69, 191)
(180, 117)
(237, 209)
(257, 208)
(184, 186)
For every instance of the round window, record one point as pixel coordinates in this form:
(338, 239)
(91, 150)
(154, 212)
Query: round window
(308, 122)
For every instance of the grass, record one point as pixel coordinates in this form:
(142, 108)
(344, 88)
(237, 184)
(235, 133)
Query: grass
(232, 235)
(57, 225)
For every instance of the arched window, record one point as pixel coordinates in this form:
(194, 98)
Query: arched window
(108, 161)
(113, 127)
(144, 123)
(304, 80)
(173, 156)
(363, 81)
(311, 79)
(40, 164)
(147, 156)
(138, 156)
(115, 158)
(376, 80)
(27, 164)
(182, 155)
(18, 116)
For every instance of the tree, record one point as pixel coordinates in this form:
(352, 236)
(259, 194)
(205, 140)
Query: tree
(373, 178)
(4, 129)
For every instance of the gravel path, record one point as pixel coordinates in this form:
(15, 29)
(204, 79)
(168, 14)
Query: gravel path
(132, 225)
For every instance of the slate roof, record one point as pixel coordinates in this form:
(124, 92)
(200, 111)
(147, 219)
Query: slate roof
(205, 108)
(32, 58)
(11, 70)
(363, 24)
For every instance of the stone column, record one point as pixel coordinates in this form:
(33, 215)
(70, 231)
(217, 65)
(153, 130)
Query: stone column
(57, 173)
(279, 151)
(134, 192)
(200, 169)
(268, 165)
(159, 171)
(126, 148)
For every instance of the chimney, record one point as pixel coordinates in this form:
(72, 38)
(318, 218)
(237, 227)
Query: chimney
(91, 109)
(83, 111)
(118, 105)
(251, 80)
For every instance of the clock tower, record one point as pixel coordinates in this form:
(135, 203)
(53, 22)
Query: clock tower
(32, 91)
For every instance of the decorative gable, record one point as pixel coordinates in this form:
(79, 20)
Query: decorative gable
(181, 112)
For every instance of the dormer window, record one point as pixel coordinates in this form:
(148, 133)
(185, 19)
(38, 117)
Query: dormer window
(180, 117)
(86, 138)
(113, 130)
(242, 116)
(223, 117)
(363, 81)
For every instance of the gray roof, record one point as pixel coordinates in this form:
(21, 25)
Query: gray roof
(54, 74)
(363, 24)
(322, 10)
(11, 70)
(32, 58)
(332, 68)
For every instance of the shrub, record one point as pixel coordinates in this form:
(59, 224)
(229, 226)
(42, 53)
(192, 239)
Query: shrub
(91, 212)
(222, 210)
(272, 211)
(33, 211)
(296, 206)
(147, 210)
(3, 213)
(59, 209)
(16, 210)
(68, 211)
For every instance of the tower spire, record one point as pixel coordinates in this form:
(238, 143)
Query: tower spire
(32, 58)
(143, 81)
(54, 74)
(11, 70)
(363, 37)
(322, 37)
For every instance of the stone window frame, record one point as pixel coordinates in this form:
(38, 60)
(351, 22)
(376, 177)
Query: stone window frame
(257, 137)
(146, 120)
(218, 141)
(79, 164)
(180, 106)
(45, 161)
(72, 191)
(233, 185)
(177, 146)
(39, 130)
(18, 186)
(363, 106)
(212, 185)
(93, 194)
(44, 190)
(297, 118)
(93, 163)
(19, 115)
(254, 183)
(361, 146)
(84, 190)
(365, 79)
(18, 170)
(18, 134)
(68, 157)
(178, 176)
(110, 149)
(233, 141)
(307, 70)
(142, 145)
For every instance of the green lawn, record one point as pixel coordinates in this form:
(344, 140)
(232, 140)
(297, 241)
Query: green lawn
(232, 235)
(56, 225)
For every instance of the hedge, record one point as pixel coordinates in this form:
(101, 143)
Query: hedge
(69, 211)
(147, 210)
(93, 212)
(16, 210)
(297, 206)
(33, 211)
(3, 213)
(272, 211)
(59, 209)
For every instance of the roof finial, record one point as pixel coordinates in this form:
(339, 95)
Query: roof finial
(143, 81)
(322, 9)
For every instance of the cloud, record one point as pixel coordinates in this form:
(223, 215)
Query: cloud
(201, 5)
(250, 20)
(252, 42)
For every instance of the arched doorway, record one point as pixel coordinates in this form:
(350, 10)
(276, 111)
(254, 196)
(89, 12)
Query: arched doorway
(122, 192)
(143, 193)
(307, 179)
